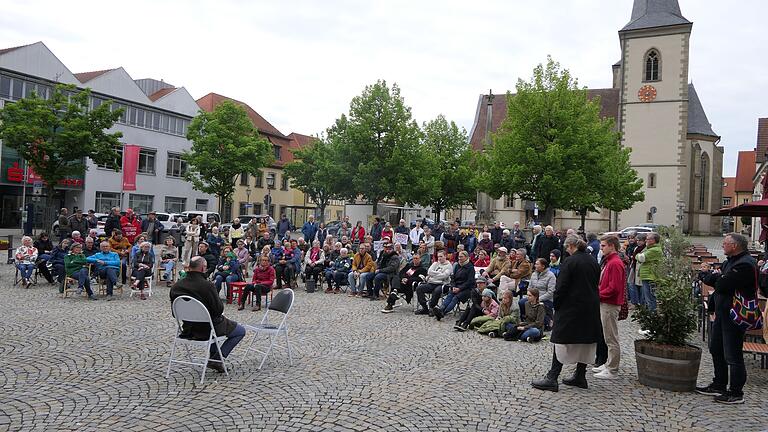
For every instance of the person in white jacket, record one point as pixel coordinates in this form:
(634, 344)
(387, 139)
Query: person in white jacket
(191, 237)
(438, 275)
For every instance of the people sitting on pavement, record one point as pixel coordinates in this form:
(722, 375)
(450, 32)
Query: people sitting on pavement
(142, 265)
(387, 268)
(106, 265)
(483, 308)
(341, 269)
(462, 282)
(544, 281)
(24, 259)
(198, 287)
(410, 276)
(76, 267)
(499, 266)
(211, 260)
(509, 311)
(91, 247)
(56, 261)
(554, 262)
(313, 262)
(168, 259)
(438, 276)
(263, 279)
(481, 259)
(227, 268)
(363, 268)
(122, 247)
(531, 328)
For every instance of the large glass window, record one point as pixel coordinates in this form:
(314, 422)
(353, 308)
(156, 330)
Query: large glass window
(163, 123)
(175, 204)
(147, 161)
(652, 66)
(201, 204)
(156, 121)
(106, 200)
(5, 86)
(141, 204)
(176, 166)
(244, 179)
(118, 161)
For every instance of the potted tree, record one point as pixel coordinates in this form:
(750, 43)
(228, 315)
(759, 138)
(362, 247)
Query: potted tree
(664, 358)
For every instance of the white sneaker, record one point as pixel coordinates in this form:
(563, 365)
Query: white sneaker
(606, 374)
(644, 332)
(598, 369)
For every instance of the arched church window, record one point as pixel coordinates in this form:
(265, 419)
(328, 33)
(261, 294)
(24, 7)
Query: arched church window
(652, 66)
(704, 182)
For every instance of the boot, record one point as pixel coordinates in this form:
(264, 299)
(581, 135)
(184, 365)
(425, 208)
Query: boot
(579, 378)
(548, 383)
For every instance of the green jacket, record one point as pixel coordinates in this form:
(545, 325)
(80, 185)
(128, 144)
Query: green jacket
(649, 260)
(73, 263)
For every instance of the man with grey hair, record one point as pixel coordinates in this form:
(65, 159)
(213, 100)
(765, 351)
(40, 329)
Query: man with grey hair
(537, 235)
(649, 260)
(198, 287)
(738, 274)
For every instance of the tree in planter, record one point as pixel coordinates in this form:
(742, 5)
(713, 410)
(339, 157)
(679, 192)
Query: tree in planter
(315, 173)
(225, 144)
(56, 135)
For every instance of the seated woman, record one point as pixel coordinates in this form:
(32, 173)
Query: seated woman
(313, 262)
(544, 281)
(330, 260)
(168, 258)
(424, 255)
(44, 248)
(263, 278)
(481, 259)
(483, 308)
(142, 265)
(57, 261)
(462, 284)
(243, 255)
(530, 328)
(554, 262)
(141, 238)
(25, 258)
(227, 270)
(76, 267)
(509, 312)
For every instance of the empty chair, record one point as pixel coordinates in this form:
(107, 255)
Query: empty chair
(282, 304)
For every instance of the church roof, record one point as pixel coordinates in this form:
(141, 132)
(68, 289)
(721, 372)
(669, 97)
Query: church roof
(655, 13)
(762, 139)
(698, 123)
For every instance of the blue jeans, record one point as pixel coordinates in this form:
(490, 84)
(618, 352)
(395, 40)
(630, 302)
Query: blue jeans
(451, 300)
(549, 306)
(635, 294)
(26, 270)
(83, 280)
(168, 269)
(726, 345)
(532, 333)
(378, 280)
(110, 274)
(361, 281)
(124, 267)
(233, 338)
(220, 277)
(649, 294)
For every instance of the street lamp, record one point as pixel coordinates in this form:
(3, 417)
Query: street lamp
(248, 196)
(270, 185)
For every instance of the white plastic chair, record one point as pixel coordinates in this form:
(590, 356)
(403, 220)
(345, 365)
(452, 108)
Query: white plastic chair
(186, 308)
(148, 290)
(282, 303)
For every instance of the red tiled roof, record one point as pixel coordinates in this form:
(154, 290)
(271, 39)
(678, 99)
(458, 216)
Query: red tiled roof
(745, 170)
(160, 93)
(729, 187)
(609, 108)
(762, 139)
(298, 141)
(84, 77)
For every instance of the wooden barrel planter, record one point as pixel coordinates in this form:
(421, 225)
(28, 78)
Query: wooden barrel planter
(667, 367)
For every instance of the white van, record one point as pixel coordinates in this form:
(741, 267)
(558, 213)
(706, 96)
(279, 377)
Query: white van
(205, 216)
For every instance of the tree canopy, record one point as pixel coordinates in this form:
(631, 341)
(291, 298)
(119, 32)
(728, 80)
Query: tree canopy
(555, 149)
(314, 172)
(56, 135)
(225, 144)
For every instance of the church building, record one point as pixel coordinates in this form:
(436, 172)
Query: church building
(658, 112)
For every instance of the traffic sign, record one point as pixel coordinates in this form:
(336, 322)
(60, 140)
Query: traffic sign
(37, 188)
(653, 209)
(248, 205)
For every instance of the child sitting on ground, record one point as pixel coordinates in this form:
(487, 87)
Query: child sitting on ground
(486, 309)
(529, 329)
(509, 312)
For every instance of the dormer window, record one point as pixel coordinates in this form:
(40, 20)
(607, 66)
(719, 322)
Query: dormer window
(652, 66)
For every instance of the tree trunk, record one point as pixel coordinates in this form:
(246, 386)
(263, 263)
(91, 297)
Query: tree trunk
(583, 213)
(549, 213)
(321, 216)
(374, 204)
(437, 211)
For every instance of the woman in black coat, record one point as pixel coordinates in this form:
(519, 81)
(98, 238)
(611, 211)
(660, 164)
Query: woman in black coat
(577, 327)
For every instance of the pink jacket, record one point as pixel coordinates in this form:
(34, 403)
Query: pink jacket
(612, 280)
(491, 309)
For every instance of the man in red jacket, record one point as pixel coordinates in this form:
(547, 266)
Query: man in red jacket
(263, 278)
(612, 282)
(130, 225)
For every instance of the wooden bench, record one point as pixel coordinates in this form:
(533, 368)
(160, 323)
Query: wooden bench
(760, 349)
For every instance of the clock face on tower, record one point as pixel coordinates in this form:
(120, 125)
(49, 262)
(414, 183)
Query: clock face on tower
(646, 93)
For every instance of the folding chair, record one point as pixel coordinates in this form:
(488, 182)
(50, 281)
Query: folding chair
(147, 290)
(70, 287)
(17, 278)
(102, 283)
(186, 308)
(160, 270)
(282, 303)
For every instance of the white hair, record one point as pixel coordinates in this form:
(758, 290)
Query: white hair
(25, 238)
(145, 243)
(75, 232)
(344, 251)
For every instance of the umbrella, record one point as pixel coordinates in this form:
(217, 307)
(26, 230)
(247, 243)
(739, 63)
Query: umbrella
(751, 209)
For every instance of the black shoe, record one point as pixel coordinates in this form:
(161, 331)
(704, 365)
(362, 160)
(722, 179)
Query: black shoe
(458, 327)
(546, 383)
(730, 399)
(215, 365)
(438, 314)
(710, 390)
(576, 380)
(388, 309)
(421, 312)
(92, 297)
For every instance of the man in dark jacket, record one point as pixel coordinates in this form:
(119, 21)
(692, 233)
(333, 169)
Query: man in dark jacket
(546, 244)
(211, 259)
(283, 226)
(410, 276)
(79, 223)
(376, 229)
(113, 221)
(386, 269)
(577, 328)
(497, 232)
(153, 228)
(517, 236)
(726, 343)
(462, 285)
(198, 287)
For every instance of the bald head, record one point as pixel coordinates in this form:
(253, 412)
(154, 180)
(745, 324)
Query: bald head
(197, 264)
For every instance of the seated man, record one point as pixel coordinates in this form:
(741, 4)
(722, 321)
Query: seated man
(461, 286)
(211, 260)
(76, 266)
(122, 247)
(411, 275)
(106, 266)
(227, 270)
(198, 287)
(498, 267)
(330, 260)
(341, 269)
(91, 247)
(263, 279)
(386, 270)
(438, 275)
(363, 267)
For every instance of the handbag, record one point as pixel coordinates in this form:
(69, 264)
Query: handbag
(624, 311)
(746, 313)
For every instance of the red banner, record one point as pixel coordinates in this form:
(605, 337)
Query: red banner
(130, 165)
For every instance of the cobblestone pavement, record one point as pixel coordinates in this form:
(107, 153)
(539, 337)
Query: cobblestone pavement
(98, 366)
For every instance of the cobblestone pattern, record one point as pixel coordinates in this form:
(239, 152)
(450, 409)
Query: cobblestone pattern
(95, 366)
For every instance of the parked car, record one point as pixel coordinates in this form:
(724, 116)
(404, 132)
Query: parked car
(247, 218)
(624, 233)
(205, 215)
(167, 219)
(333, 227)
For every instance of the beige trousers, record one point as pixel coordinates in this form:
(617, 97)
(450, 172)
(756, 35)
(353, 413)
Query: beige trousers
(609, 316)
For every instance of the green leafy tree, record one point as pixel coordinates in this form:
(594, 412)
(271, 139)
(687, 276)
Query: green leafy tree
(553, 148)
(56, 135)
(448, 177)
(378, 144)
(314, 172)
(225, 144)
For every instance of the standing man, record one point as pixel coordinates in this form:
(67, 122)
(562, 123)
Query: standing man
(518, 237)
(78, 222)
(649, 260)
(130, 225)
(537, 235)
(402, 229)
(376, 229)
(113, 221)
(152, 227)
(92, 221)
(309, 229)
(198, 287)
(612, 282)
(283, 226)
(576, 330)
(497, 232)
(726, 343)
(415, 236)
(65, 230)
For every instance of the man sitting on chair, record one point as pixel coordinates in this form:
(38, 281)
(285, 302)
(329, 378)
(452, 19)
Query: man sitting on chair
(410, 276)
(198, 287)
(107, 265)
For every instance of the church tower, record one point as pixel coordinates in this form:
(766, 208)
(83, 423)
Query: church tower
(653, 111)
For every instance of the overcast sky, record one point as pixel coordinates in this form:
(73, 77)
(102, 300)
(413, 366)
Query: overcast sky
(299, 63)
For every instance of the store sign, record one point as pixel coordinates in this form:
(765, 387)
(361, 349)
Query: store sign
(13, 172)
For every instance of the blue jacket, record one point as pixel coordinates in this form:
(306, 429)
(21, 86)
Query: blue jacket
(111, 259)
(309, 230)
(135, 249)
(283, 226)
(57, 256)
